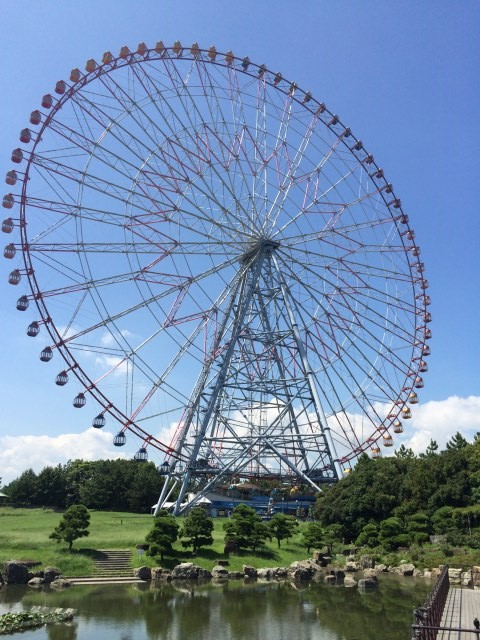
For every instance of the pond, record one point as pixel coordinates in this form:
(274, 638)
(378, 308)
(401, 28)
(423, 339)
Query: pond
(230, 611)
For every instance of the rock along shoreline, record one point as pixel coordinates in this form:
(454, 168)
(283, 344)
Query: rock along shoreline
(362, 573)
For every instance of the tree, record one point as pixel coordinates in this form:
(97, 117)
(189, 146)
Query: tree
(368, 494)
(392, 534)
(73, 525)
(442, 520)
(163, 534)
(51, 487)
(313, 535)
(334, 533)
(246, 528)
(431, 450)
(418, 528)
(457, 442)
(403, 452)
(282, 527)
(23, 490)
(197, 529)
(145, 487)
(368, 536)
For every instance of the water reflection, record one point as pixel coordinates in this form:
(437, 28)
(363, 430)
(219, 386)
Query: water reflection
(230, 611)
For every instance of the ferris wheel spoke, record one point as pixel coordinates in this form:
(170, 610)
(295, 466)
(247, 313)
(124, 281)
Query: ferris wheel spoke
(357, 317)
(199, 147)
(347, 272)
(291, 179)
(365, 275)
(111, 320)
(114, 191)
(339, 210)
(365, 371)
(237, 137)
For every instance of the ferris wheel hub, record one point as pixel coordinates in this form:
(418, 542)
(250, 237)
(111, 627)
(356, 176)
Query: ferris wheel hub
(263, 246)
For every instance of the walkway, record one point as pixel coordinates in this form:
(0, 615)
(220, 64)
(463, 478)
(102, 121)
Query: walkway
(462, 606)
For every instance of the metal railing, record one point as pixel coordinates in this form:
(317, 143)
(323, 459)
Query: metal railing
(429, 616)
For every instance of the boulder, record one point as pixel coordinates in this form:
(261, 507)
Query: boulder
(338, 574)
(370, 573)
(270, 573)
(220, 572)
(36, 582)
(190, 571)
(349, 581)
(157, 573)
(160, 574)
(14, 572)
(60, 583)
(51, 573)
(317, 555)
(264, 573)
(303, 570)
(335, 576)
(466, 579)
(352, 566)
(368, 583)
(476, 576)
(248, 571)
(322, 558)
(381, 568)
(406, 569)
(454, 575)
(143, 573)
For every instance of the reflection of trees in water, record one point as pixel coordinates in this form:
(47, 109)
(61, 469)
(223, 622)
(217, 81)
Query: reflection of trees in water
(372, 615)
(247, 613)
(156, 607)
(192, 615)
(62, 631)
(237, 611)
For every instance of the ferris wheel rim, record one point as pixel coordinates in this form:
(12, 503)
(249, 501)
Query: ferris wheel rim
(37, 294)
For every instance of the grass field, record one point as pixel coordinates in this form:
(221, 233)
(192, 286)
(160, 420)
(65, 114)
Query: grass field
(24, 536)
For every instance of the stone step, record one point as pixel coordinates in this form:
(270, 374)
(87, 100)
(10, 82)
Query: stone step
(105, 580)
(113, 564)
(98, 570)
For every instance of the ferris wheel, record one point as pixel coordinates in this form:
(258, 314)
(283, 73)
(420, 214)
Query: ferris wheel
(217, 266)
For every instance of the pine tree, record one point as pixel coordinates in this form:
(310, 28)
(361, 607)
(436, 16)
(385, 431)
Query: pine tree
(197, 529)
(74, 524)
(163, 534)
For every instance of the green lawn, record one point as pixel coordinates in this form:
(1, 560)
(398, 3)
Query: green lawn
(24, 536)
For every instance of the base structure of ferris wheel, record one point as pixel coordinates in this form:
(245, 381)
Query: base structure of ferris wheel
(219, 266)
(255, 408)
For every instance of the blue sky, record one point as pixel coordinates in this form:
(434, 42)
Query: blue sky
(404, 76)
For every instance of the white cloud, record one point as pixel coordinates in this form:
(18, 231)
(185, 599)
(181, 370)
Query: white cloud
(112, 365)
(108, 339)
(18, 453)
(439, 420)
